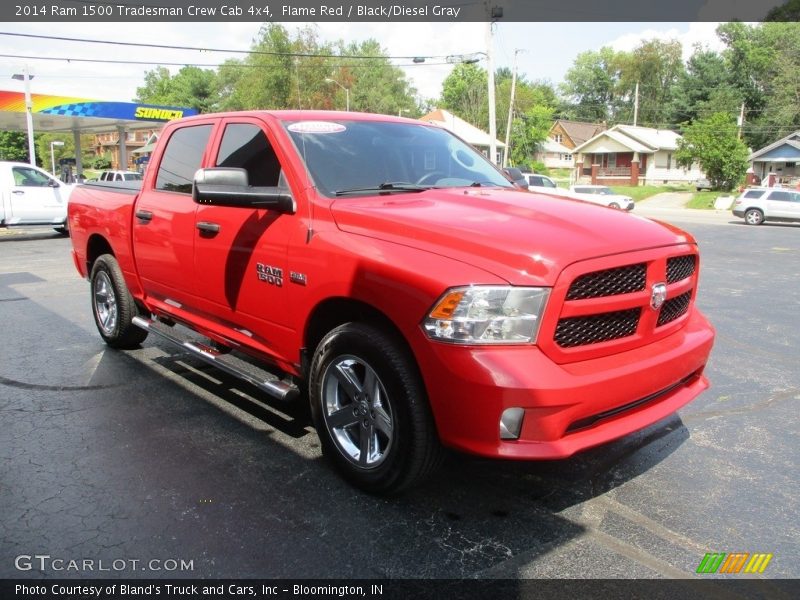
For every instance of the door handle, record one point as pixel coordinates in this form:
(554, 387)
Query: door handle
(144, 215)
(18, 192)
(207, 227)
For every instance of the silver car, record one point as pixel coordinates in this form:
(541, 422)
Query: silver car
(756, 205)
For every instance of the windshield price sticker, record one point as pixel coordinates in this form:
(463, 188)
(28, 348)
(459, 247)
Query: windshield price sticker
(316, 127)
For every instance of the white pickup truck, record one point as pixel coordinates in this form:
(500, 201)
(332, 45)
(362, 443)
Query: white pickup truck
(29, 196)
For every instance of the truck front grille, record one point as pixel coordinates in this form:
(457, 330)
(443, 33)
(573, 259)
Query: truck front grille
(674, 308)
(605, 310)
(579, 331)
(680, 267)
(610, 282)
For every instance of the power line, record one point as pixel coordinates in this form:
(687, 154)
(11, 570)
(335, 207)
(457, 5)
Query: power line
(193, 64)
(225, 50)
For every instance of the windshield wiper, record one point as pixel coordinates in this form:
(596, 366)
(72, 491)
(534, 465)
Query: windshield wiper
(386, 186)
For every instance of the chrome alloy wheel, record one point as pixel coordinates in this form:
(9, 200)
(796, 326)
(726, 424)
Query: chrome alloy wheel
(105, 303)
(357, 411)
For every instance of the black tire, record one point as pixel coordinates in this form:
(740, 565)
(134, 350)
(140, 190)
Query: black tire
(753, 216)
(614, 205)
(370, 409)
(113, 306)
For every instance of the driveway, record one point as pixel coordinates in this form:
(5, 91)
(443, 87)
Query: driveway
(671, 207)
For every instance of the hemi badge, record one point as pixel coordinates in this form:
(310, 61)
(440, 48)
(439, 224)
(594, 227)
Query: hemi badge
(299, 278)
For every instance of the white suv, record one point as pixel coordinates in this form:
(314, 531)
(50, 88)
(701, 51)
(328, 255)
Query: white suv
(601, 194)
(757, 205)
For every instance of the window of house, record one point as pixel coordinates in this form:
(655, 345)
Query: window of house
(558, 138)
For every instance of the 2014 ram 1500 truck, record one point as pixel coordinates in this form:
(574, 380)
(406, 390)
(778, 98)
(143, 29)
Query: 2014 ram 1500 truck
(387, 272)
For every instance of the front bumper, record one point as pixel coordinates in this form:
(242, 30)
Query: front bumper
(567, 408)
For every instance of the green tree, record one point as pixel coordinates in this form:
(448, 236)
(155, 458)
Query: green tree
(528, 131)
(763, 61)
(293, 71)
(703, 88)
(14, 146)
(713, 143)
(465, 93)
(656, 66)
(191, 86)
(590, 86)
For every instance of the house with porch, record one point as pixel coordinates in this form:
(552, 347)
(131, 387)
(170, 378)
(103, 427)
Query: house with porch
(556, 151)
(778, 162)
(629, 155)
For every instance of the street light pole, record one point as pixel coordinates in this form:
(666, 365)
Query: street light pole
(25, 77)
(346, 92)
(53, 154)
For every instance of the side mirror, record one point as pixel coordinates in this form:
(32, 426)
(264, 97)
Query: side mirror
(226, 186)
(53, 183)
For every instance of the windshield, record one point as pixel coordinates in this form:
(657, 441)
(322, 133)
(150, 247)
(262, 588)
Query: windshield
(355, 157)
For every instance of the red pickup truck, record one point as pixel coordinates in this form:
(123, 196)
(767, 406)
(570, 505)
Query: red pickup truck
(385, 271)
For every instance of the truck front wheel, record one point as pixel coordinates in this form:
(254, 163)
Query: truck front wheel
(371, 411)
(113, 306)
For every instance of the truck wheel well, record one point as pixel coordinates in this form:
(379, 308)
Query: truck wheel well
(337, 311)
(96, 247)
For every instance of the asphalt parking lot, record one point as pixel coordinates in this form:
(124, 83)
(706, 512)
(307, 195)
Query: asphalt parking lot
(148, 455)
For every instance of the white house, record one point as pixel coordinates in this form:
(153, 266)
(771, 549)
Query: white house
(554, 155)
(778, 162)
(469, 133)
(628, 155)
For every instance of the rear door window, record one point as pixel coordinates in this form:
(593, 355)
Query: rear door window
(780, 195)
(181, 159)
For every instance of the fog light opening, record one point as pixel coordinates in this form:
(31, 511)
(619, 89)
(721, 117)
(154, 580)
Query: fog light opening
(511, 423)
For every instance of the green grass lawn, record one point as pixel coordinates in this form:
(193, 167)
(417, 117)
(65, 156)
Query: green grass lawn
(705, 200)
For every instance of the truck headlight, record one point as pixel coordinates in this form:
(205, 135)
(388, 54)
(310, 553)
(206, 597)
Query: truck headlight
(487, 315)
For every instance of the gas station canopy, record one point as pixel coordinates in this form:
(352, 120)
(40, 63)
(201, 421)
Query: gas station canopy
(53, 114)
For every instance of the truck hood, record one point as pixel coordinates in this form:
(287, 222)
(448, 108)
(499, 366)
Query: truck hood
(522, 237)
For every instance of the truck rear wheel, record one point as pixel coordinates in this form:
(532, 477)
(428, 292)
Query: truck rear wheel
(113, 306)
(371, 411)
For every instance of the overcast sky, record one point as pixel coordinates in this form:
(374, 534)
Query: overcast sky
(547, 49)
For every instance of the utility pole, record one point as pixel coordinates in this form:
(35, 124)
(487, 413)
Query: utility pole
(510, 108)
(741, 121)
(636, 105)
(492, 107)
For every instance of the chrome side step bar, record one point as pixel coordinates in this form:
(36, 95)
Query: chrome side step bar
(260, 378)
